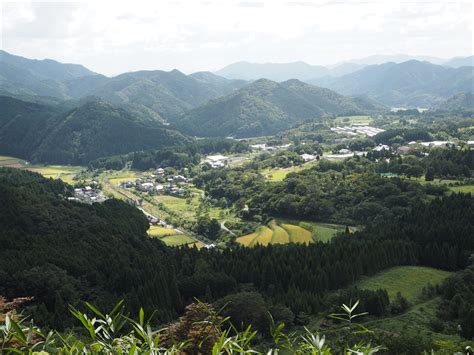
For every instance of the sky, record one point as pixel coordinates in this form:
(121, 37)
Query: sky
(112, 37)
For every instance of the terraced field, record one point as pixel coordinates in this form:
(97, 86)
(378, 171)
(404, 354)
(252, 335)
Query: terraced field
(284, 232)
(276, 233)
(170, 237)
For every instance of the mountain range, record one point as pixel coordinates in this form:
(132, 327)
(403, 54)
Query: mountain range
(66, 113)
(265, 107)
(412, 83)
(55, 134)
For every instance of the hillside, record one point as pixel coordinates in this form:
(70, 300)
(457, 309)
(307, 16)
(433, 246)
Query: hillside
(155, 95)
(411, 83)
(62, 252)
(463, 101)
(75, 135)
(20, 75)
(166, 93)
(266, 107)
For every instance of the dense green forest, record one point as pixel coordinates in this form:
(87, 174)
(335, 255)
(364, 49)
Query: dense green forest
(265, 107)
(186, 155)
(44, 133)
(61, 252)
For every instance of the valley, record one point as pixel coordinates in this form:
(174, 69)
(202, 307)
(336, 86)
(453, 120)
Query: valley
(221, 200)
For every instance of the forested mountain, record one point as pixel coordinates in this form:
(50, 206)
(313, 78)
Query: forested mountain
(411, 83)
(166, 93)
(76, 135)
(463, 101)
(265, 107)
(460, 62)
(157, 94)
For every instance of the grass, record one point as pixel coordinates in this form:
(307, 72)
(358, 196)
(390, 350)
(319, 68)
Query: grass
(347, 120)
(409, 280)
(464, 189)
(278, 174)
(416, 321)
(63, 172)
(177, 240)
(158, 231)
(324, 232)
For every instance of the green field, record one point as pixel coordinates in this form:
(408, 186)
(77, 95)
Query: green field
(463, 188)
(158, 231)
(347, 120)
(63, 172)
(171, 237)
(409, 280)
(323, 232)
(278, 174)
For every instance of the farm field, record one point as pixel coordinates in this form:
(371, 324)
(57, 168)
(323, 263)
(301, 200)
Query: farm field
(409, 280)
(324, 232)
(347, 120)
(464, 189)
(284, 232)
(170, 237)
(278, 174)
(63, 172)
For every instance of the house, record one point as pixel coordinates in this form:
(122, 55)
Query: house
(145, 187)
(344, 151)
(307, 157)
(179, 178)
(127, 184)
(381, 147)
(216, 161)
(470, 143)
(159, 171)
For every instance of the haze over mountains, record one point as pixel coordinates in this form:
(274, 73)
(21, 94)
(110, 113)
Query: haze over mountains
(54, 112)
(266, 107)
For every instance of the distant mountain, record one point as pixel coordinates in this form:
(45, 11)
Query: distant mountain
(345, 68)
(411, 83)
(94, 129)
(396, 58)
(273, 71)
(460, 62)
(166, 93)
(46, 68)
(265, 107)
(153, 95)
(462, 102)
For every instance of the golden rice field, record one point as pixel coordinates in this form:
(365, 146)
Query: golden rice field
(170, 237)
(278, 232)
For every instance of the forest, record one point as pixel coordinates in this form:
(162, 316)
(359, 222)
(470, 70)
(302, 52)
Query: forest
(74, 251)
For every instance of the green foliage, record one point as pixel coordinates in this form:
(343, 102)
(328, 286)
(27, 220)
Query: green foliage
(265, 107)
(75, 136)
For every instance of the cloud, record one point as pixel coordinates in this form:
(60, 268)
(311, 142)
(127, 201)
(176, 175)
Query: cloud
(117, 36)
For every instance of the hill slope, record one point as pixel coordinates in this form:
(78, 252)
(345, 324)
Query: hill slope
(463, 101)
(266, 107)
(411, 83)
(155, 94)
(75, 136)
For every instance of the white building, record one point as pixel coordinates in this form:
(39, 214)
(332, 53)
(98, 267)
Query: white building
(307, 157)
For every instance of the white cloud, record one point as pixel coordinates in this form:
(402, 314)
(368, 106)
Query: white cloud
(116, 36)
